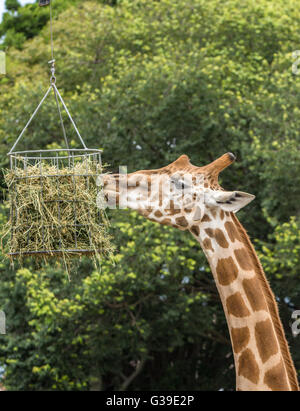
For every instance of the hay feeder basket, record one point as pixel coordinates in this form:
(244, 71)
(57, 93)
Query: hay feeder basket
(54, 183)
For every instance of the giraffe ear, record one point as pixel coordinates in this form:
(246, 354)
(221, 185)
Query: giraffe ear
(231, 201)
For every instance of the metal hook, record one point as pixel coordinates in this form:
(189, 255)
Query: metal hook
(52, 69)
(44, 3)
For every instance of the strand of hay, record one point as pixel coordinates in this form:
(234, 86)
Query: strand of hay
(54, 212)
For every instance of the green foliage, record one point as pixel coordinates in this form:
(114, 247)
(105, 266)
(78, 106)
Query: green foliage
(149, 81)
(12, 5)
(94, 329)
(22, 23)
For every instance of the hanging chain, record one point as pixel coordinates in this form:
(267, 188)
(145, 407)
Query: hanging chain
(56, 94)
(52, 61)
(53, 79)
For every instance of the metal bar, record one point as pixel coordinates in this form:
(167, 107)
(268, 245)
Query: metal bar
(70, 117)
(58, 202)
(74, 202)
(87, 182)
(77, 225)
(41, 197)
(25, 168)
(61, 119)
(50, 158)
(25, 164)
(87, 172)
(44, 3)
(51, 30)
(96, 150)
(55, 175)
(29, 121)
(79, 251)
(12, 211)
(52, 154)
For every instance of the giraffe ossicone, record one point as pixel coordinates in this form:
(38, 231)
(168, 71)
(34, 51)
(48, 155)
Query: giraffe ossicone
(190, 198)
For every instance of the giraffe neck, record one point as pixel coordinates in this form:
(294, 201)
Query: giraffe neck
(261, 354)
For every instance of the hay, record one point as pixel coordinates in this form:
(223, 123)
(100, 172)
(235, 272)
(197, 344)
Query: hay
(54, 212)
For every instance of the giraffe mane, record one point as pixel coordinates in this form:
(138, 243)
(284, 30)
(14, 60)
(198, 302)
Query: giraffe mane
(272, 306)
(183, 164)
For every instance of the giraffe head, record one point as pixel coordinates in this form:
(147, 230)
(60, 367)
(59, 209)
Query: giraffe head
(179, 194)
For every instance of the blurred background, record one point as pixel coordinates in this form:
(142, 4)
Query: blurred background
(147, 81)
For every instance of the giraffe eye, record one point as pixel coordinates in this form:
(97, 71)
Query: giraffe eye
(179, 184)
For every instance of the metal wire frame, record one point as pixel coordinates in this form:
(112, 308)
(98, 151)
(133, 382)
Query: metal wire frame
(65, 157)
(53, 252)
(56, 93)
(57, 157)
(46, 154)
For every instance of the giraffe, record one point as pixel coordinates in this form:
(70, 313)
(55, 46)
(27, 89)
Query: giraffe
(261, 353)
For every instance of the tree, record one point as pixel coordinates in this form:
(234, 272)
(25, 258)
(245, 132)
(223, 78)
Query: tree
(12, 5)
(148, 81)
(22, 23)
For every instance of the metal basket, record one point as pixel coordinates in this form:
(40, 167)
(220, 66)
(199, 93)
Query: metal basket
(60, 159)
